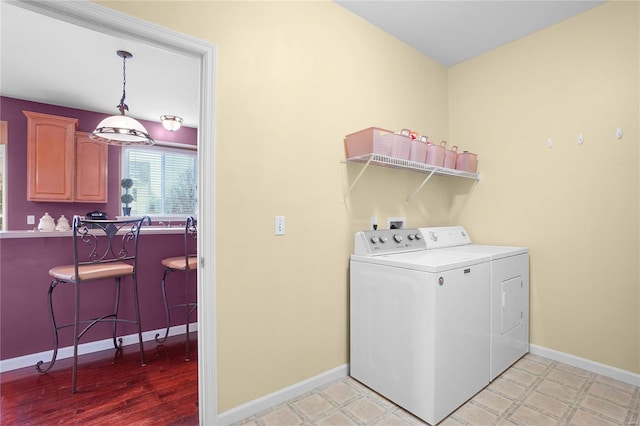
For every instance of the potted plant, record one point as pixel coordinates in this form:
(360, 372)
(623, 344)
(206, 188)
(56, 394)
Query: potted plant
(126, 198)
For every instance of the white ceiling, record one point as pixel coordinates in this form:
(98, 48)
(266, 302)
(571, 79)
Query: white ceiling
(47, 60)
(452, 31)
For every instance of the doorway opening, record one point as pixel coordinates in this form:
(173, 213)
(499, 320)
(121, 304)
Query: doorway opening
(116, 24)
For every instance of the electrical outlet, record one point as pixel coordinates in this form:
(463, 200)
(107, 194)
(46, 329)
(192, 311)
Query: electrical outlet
(279, 223)
(31, 219)
(395, 222)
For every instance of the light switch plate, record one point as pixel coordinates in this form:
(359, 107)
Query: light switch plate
(279, 225)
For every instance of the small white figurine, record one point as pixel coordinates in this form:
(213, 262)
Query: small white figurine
(63, 224)
(46, 224)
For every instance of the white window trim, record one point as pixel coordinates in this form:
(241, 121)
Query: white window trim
(177, 145)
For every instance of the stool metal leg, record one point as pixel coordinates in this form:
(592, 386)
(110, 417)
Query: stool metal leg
(53, 285)
(116, 345)
(76, 337)
(189, 308)
(137, 306)
(166, 306)
(186, 310)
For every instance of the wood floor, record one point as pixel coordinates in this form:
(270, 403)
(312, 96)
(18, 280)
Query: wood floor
(112, 389)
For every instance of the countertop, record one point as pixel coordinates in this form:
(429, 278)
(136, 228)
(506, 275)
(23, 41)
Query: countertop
(145, 230)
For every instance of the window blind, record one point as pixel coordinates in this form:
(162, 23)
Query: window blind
(164, 180)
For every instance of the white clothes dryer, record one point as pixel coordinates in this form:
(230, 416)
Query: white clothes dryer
(419, 322)
(509, 339)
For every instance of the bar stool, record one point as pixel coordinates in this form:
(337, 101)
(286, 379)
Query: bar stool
(186, 262)
(102, 249)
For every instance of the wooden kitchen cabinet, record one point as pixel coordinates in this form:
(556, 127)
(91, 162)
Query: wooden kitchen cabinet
(92, 160)
(63, 165)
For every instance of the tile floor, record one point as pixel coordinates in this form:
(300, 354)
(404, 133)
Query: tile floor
(535, 391)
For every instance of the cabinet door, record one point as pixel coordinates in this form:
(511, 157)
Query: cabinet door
(50, 157)
(91, 170)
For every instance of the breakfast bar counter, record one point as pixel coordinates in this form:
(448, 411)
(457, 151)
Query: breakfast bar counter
(145, 230)
(25, 260)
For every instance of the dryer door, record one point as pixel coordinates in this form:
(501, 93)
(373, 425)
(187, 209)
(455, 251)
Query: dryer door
(509, 311)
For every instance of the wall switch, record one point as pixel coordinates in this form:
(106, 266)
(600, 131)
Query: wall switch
(31, 219)
(279, 222)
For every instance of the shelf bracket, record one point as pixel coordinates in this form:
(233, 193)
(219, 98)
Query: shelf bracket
(357, 178)
(421, 185)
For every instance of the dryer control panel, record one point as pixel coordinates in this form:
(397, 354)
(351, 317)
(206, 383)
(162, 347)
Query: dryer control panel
(445, 236)
(388, 241)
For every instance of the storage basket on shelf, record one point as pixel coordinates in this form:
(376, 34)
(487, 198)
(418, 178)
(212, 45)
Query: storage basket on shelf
(374, 140)
(435, 154)
(450, 157)
(418, 151)
(467, 162)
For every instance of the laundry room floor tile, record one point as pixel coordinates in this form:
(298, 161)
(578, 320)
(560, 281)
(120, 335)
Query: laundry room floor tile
(534, 391)
(547, 405)
(493, 402)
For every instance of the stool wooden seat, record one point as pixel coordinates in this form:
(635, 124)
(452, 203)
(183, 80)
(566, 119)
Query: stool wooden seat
(91, 272)
(102, 249)
(187, 262)
(178, 263)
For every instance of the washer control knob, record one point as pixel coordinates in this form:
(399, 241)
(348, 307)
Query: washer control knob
(383, 239)
(418, 236)
(374, 240)
(441, 280)
(433, 236)
(398, 238)
(411, 237)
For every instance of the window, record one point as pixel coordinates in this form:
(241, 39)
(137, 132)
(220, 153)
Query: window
(164, 180)
(3, 176)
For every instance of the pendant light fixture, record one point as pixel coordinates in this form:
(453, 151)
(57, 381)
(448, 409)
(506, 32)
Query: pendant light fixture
(120, 129)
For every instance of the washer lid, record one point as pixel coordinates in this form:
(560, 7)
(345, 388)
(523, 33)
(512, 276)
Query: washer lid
(427, 261)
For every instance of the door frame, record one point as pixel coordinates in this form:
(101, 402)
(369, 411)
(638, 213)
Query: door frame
(116, 24)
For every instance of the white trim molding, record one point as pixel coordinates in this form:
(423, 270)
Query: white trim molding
(252, 407)
(257, 405)
(586, 364)
(30, 360)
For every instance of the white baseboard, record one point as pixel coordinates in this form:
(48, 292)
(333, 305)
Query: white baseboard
(252, 407)
(87, 348)
(585, 364)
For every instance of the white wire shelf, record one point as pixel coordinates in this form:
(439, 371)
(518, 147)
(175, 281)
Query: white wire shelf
(398, 163)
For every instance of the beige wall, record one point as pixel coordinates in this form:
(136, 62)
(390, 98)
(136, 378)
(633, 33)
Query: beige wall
(293, 78)
(575, 206)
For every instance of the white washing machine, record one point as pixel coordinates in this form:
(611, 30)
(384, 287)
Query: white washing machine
(419, 322)
(509, 292)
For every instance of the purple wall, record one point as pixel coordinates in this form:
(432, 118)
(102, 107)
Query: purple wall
(18, 206)
(25, 327)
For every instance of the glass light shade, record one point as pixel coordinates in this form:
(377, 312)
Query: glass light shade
(121, 130)
(171, 122)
